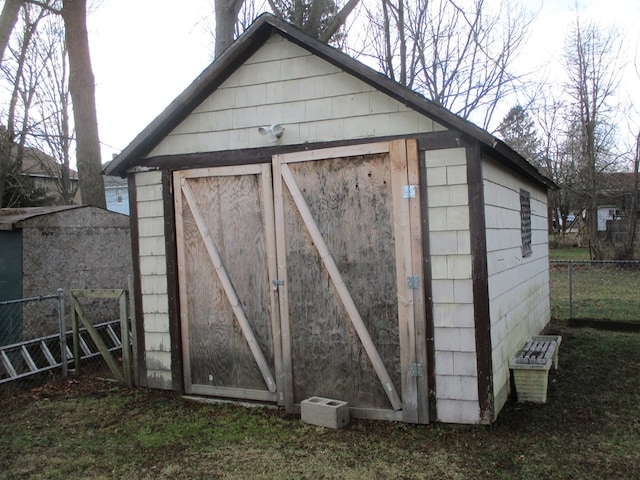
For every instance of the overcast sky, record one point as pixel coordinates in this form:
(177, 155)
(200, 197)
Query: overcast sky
(146, 52)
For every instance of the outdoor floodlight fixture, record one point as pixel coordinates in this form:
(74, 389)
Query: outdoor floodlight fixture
(274, 131)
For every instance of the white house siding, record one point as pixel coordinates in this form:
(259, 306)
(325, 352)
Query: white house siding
(155, 303)
(518, 287)
(284, 84)
(452, 292)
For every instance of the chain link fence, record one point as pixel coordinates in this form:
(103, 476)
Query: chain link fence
(37, 341)
(604, 291)
(31, 344)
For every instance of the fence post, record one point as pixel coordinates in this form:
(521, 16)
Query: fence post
(63, 334)
(570, 290)
(124, 336)
(134, 333)
(76, 337)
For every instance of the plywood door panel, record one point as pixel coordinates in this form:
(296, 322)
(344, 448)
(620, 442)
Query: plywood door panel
(337, 222)
(224, 252)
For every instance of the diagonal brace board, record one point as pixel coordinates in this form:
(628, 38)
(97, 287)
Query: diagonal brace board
(345, 296)
(229, 289)
(113, 366)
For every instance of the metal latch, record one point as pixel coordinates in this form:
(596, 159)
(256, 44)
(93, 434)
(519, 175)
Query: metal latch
(416, 370)
(409, 191)
(413, 282)
(276, 283)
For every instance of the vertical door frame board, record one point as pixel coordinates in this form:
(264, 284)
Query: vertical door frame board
(286, 373)
(404, 268)
(272, 267)
(178, 179)
(415, 218)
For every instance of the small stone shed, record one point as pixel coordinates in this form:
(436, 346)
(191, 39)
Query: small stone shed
(304, 226)
(43, 249)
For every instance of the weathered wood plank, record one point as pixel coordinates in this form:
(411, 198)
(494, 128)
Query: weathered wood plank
(337, 152)
(272, 267)
(97, 339)
(125, 328)
(235, 393)
(283, 290)
(404, 268)
(419, 309)
(228, 171)
(183, 287)
(97, 293)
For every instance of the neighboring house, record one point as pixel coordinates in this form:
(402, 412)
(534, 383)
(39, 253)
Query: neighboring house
(607, 213)
(302, 225)
(43, 249)
(615, 198)
(117, 194)
(46, 173)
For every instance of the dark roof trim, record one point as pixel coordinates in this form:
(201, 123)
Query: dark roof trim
(249, 42)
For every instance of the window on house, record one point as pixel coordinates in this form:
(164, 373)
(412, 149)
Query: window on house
(38, 183)
(525, 222)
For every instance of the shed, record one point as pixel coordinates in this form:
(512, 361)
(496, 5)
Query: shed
(43, 249)
(302, 226)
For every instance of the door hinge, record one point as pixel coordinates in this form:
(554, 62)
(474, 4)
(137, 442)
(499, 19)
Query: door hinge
(413, 282)
(409, 191)
(416, 370)
(276, 283)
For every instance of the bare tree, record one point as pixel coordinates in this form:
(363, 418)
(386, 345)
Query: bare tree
(53, 133)
(82, 91)
(457, 53)
(591, 59)
(23, 76)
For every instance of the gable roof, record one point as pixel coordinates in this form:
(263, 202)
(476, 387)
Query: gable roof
(248, 43)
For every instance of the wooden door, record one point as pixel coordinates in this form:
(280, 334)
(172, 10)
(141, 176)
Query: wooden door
(226, 259)
(349, 275)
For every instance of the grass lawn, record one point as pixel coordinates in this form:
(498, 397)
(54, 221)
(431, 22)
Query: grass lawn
(569, 253)
(599, 292)
(90, 429)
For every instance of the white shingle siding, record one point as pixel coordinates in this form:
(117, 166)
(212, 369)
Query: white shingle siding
(518, 286)
(153, 280)
(452, 287)
(283, 83)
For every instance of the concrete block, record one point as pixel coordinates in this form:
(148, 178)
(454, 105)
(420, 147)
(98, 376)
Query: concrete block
(325, 412)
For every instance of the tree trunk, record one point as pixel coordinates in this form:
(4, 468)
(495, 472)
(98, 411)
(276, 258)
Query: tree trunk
(83, 96)
(226, 19)
(633, 213)
(338, 21)
(8, 20)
